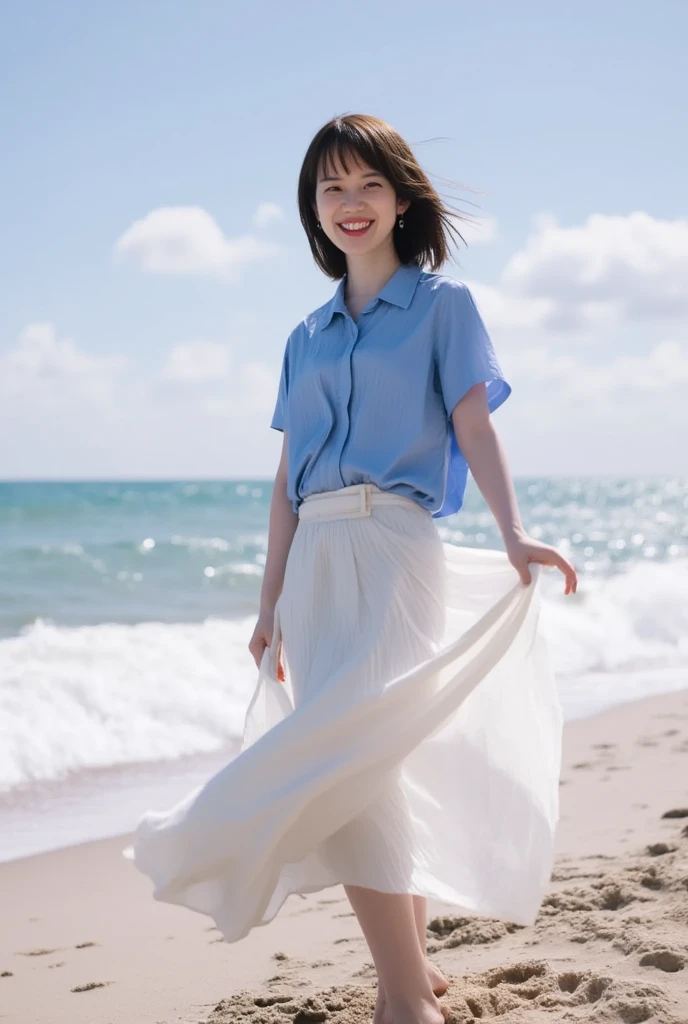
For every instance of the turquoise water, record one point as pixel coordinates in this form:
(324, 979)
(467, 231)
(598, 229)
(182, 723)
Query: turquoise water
(126, 611)
(85, 553)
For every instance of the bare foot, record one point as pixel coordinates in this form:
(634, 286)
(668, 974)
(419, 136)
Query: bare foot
(437, 979)
(439, 984)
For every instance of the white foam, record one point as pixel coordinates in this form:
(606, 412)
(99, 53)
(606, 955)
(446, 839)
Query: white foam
(638, 619)
(96, 696)
(619, 638)
(75, 698)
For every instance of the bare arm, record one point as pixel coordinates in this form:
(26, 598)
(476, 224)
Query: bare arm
(281, 530)
(483, 451)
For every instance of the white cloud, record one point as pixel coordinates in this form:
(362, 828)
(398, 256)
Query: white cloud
(266, 214)
(593, 392)
(41, 367)
(662, 370)
(253, 395)
(197, 361)
(627, 415)
(608, 274)
(186, 240)
(509, 312)
(65, 412)
(611, 269)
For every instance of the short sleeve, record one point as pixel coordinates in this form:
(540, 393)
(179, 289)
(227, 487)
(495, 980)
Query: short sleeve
(280, 413)
(465, 354)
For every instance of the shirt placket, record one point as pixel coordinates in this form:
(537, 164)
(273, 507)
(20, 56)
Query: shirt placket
(354, 333)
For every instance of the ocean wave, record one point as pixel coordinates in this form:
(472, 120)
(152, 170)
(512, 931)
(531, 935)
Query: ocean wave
(73, 698)
(94, 696)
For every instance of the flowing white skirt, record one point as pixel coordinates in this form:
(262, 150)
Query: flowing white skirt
(414, 748)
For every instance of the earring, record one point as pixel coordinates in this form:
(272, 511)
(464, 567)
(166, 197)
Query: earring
(401, 222)
(319, 228)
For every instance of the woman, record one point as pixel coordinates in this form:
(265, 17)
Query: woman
(404, 735)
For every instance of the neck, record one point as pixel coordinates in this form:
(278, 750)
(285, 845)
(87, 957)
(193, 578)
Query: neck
(368, 273)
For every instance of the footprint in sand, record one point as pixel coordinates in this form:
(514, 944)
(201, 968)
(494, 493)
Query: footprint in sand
(367, 971)
(278, 979)
(518, 988)
(90, 985)
(664, 960)
(652, 880)
(677, 812)
(353, 1002)
(450, 932)
(535, 985)
(659, 849)
(606, 894)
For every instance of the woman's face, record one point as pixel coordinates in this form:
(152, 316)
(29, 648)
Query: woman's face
(364, 200)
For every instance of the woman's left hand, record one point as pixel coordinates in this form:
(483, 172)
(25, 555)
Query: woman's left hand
(523, 549)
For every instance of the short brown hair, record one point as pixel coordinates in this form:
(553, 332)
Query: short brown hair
(424, 238)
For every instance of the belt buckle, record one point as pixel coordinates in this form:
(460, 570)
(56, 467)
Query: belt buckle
(365, 502)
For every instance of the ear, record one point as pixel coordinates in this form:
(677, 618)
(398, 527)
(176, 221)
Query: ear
(403, 206)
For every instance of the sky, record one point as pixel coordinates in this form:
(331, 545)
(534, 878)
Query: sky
(152, 261)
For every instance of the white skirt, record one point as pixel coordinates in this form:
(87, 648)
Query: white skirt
(415, 746)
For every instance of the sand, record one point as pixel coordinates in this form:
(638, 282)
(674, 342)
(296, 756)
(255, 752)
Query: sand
(81, 940)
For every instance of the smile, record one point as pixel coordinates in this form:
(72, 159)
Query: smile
(355, 227)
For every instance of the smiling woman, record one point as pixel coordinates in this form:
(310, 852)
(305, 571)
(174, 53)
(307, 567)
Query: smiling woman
(364, 761)
(357, 169)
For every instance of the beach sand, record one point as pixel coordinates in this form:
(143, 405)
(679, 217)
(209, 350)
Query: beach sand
(82, 941)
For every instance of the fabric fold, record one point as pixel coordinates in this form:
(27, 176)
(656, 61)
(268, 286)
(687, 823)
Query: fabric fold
(415, 745)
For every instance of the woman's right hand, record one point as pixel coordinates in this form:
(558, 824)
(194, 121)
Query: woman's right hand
(262, 638)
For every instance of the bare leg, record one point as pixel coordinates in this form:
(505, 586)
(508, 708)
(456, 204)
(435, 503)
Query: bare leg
(438, 982)
(437, 979)
(419, 912)
(389, 925)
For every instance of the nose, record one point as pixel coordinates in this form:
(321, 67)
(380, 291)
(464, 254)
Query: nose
(351, 202)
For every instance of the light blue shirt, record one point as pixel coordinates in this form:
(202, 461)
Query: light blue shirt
(371, 401)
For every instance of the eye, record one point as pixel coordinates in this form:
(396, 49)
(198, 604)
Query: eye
(377, 183)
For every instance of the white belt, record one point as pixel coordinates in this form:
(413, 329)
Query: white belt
(350, 502)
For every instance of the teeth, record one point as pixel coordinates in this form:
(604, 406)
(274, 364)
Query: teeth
(357, 225)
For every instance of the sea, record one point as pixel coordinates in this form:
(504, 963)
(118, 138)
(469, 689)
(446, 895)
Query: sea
(126, 609)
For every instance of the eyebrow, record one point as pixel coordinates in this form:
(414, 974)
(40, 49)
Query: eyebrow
(367, 174)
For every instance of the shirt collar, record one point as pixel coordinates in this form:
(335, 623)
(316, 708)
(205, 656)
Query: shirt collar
(398, 290)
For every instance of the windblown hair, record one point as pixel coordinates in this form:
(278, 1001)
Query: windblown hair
(424, 239)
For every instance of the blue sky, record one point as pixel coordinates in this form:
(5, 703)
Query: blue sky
(153, 261)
